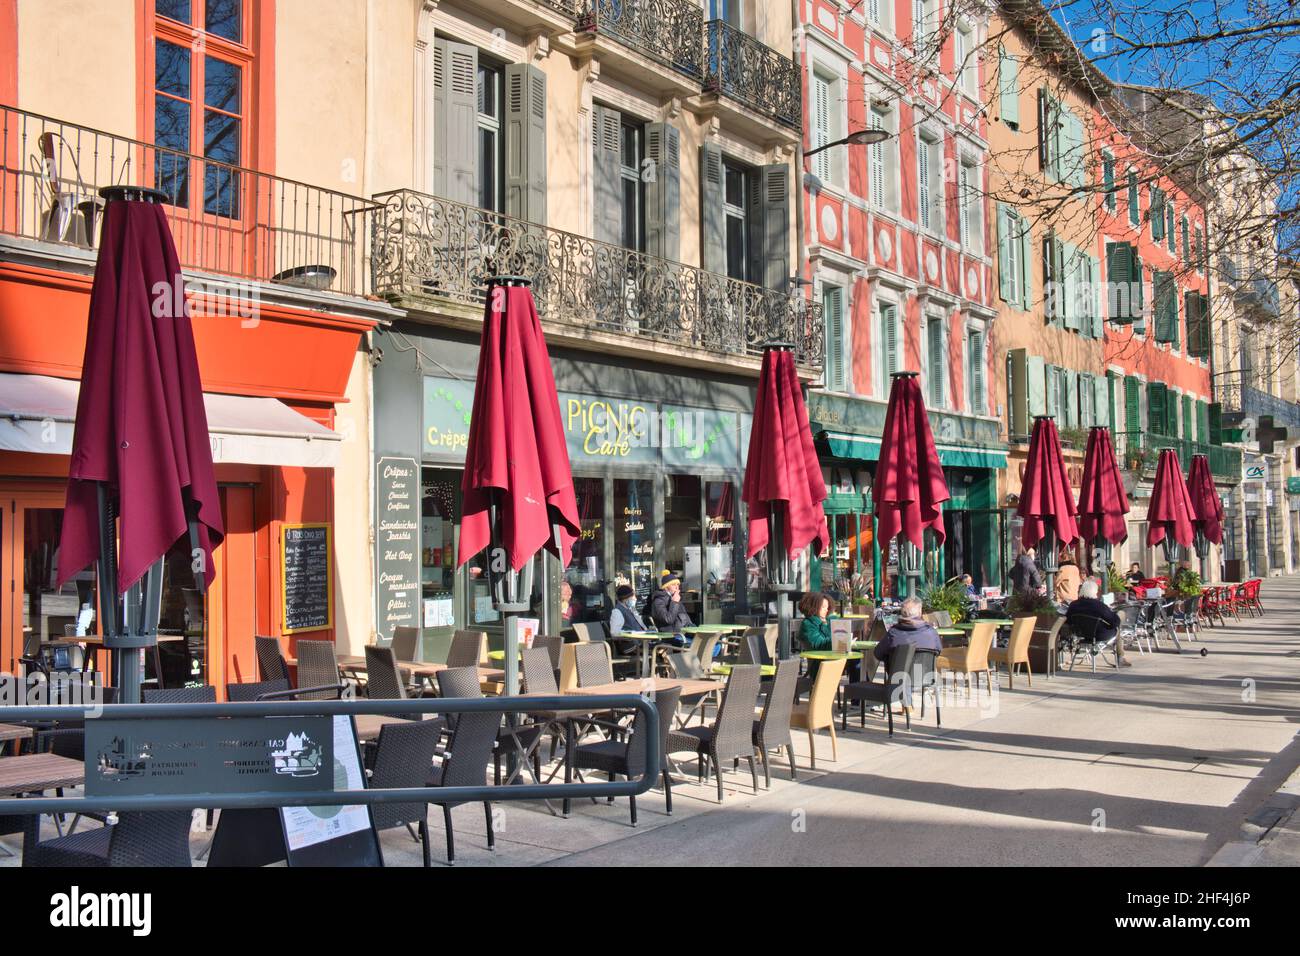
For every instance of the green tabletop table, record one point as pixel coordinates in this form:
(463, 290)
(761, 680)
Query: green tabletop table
(831, 655)
(766, 670)
(970, 625)
(714, 628)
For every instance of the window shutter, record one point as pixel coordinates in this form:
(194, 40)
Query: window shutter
(1005, 281)
(713, 243)
(1101, 400)
(663, 192)
(821, 126)
(877, 165)
(1026, 268)
(1070, 286)
(936, 348)
(1188, 418)
(1035, 388)
(977, 359)
(1108, 180)
(1052, 386)
(1140, 290)
(1009, 87)
(526, 142)
(1157, 212)
(923, 203)
(1018, 387)
(607, 177)
(769, 228)
(455, 121)
(1170, 231)
(1156, 411)
(1044, 133)
(889, 321)
(1070, 415)
(1118, 283)
(1134, 213)
(833, 309)
(1203, 422)
(1187, 244)
(1132, 406)
(1071, 148)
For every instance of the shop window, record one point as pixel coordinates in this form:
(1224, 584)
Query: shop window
(720, 525)
(438, 509)
(634, 537)
(682, 538)
(582, 589)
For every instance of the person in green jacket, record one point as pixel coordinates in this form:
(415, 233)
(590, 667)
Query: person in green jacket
(815, 629)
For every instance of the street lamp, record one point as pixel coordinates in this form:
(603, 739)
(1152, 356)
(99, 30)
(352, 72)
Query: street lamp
(863, 137)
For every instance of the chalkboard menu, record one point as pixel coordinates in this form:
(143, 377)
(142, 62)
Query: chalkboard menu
(305, 570)
(397, 545)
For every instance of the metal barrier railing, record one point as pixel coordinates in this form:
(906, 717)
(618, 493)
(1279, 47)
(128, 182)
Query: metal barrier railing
(330, 708)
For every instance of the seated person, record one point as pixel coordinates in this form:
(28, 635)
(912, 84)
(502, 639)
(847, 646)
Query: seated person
(1087, 604)
(666, 610)
(815, 630)
(625, 617)
(911, 628)
(1068, 579)
(1134, 576)
(968, 583)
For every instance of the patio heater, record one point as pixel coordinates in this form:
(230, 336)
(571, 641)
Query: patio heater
(780, 574)
(1048, 556)
(909, 567)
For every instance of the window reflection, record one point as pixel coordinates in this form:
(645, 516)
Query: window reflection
(583, 587)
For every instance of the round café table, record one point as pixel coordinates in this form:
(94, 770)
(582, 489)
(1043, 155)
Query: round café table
(765, 670)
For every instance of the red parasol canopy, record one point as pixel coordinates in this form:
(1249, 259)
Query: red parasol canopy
(1102, 501)
(1206, 504)
(517, 450)
(909, 487)
(782, 465)
(1171, 511)
(141, 426)
(1045, 497)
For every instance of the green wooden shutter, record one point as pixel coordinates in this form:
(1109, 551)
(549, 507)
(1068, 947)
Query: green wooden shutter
(1134, 213)
(1004, 256)
(1132, 405)
(1157, 213)
(935, 343)
(1069, 286)
(977, 359)
(663, 192)
(455, 121)
(607, 177)
(1108, 180)
(1026, 267)
(1113, 380)
(769, 227)
(889, 337)
(1162, 290)
(713, 241)
(1101, 400)
(1017, 392)
(1008, 88)
(1203, 422)
(1119, 279)
(1051, 391)
(833, 310)
(1094, 297)
(1157, 411)
(1035, 388)
(525, 142)
(1171, 232)
(1189, 418)
(1070, 415)
(1187, 245)
(1140, 288)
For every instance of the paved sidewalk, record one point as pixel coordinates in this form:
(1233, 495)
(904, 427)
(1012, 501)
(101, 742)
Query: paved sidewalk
(1162, 763)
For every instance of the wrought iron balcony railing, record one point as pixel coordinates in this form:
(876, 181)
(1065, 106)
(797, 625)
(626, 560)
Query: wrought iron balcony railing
(226, 220)
(666, 31)
(1140, 451)
(1236, 395)
(749, 71)
(427, 246)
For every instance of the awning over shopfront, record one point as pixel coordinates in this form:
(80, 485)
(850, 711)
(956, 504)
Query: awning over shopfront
(950, 456)
(37, 414)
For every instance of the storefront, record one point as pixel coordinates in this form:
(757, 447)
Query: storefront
(657, 457)
(847, 431)
(270, 389)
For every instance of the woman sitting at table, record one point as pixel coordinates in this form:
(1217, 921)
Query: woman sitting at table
(815, 629)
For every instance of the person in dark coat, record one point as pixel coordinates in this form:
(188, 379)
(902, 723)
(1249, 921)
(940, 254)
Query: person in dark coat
(1087, 604)
(1025, 576)
(911, 628)
(666, 610)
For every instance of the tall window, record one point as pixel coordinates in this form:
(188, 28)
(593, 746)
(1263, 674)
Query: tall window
(975, 388)
(966, 62)
(1134, 213)
(883, 161)
(936, 361)
(201, 65)
(821, 125)
(736, 205)
(929, 181)
(969, 200)
(887, 352)
(631, 158)
(1108, 180)
(836, 377)
(491, 152)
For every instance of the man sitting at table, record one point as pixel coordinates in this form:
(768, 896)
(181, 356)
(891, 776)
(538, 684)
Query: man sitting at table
(666, 609)
(911, 628)
(1088, 605)
(624, 617)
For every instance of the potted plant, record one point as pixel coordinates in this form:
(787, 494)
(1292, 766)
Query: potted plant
(1115, 582)
(1186, 583)
(1041, 606)
(950, 596)
(855, 591)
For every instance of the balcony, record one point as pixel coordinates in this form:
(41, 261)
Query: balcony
(1261, 295)
(750, 72)
(1140, 451)
(226, 220)
(1235, 395)
(430, 253)
(665, 31)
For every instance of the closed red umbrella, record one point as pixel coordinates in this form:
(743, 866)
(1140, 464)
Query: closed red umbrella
(909, 487)
(783, 480)
(1171, 514)
(1102, 500)
(141, 440)
(1046, 505)
(518, 487)
(1205, 500)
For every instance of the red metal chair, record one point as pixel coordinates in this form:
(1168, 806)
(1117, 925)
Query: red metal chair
(1230, 599)
(1210, 605)
(1250, 597)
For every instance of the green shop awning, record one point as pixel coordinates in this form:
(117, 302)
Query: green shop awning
(842, 445)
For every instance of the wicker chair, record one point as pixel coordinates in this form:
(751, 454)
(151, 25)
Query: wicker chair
(406, 640)
(753, 647)
(973, 659)
(467, 649)
(463, 682)
(270, 659)
(731, 735)
(404, 758)
(551, 643)
(466, 766)
(897, 688)
(1016, 651)
(152, 839)
(1043, 647)
(317, 667)
(772, 729)
(819, 711)
(383, 678)
(243, 693)
(594, 664)
(207, 694)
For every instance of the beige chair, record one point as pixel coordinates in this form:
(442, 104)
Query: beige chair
(770, 637)
(819, 712)
(1016, 651)
(973, 658)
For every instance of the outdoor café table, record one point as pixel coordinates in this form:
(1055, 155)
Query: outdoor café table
(422, 669)
(34, 773)
(765, 670)
(12, 732)
(646, 641)
(833, 655)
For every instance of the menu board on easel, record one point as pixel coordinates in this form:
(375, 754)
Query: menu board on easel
(306, 577)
